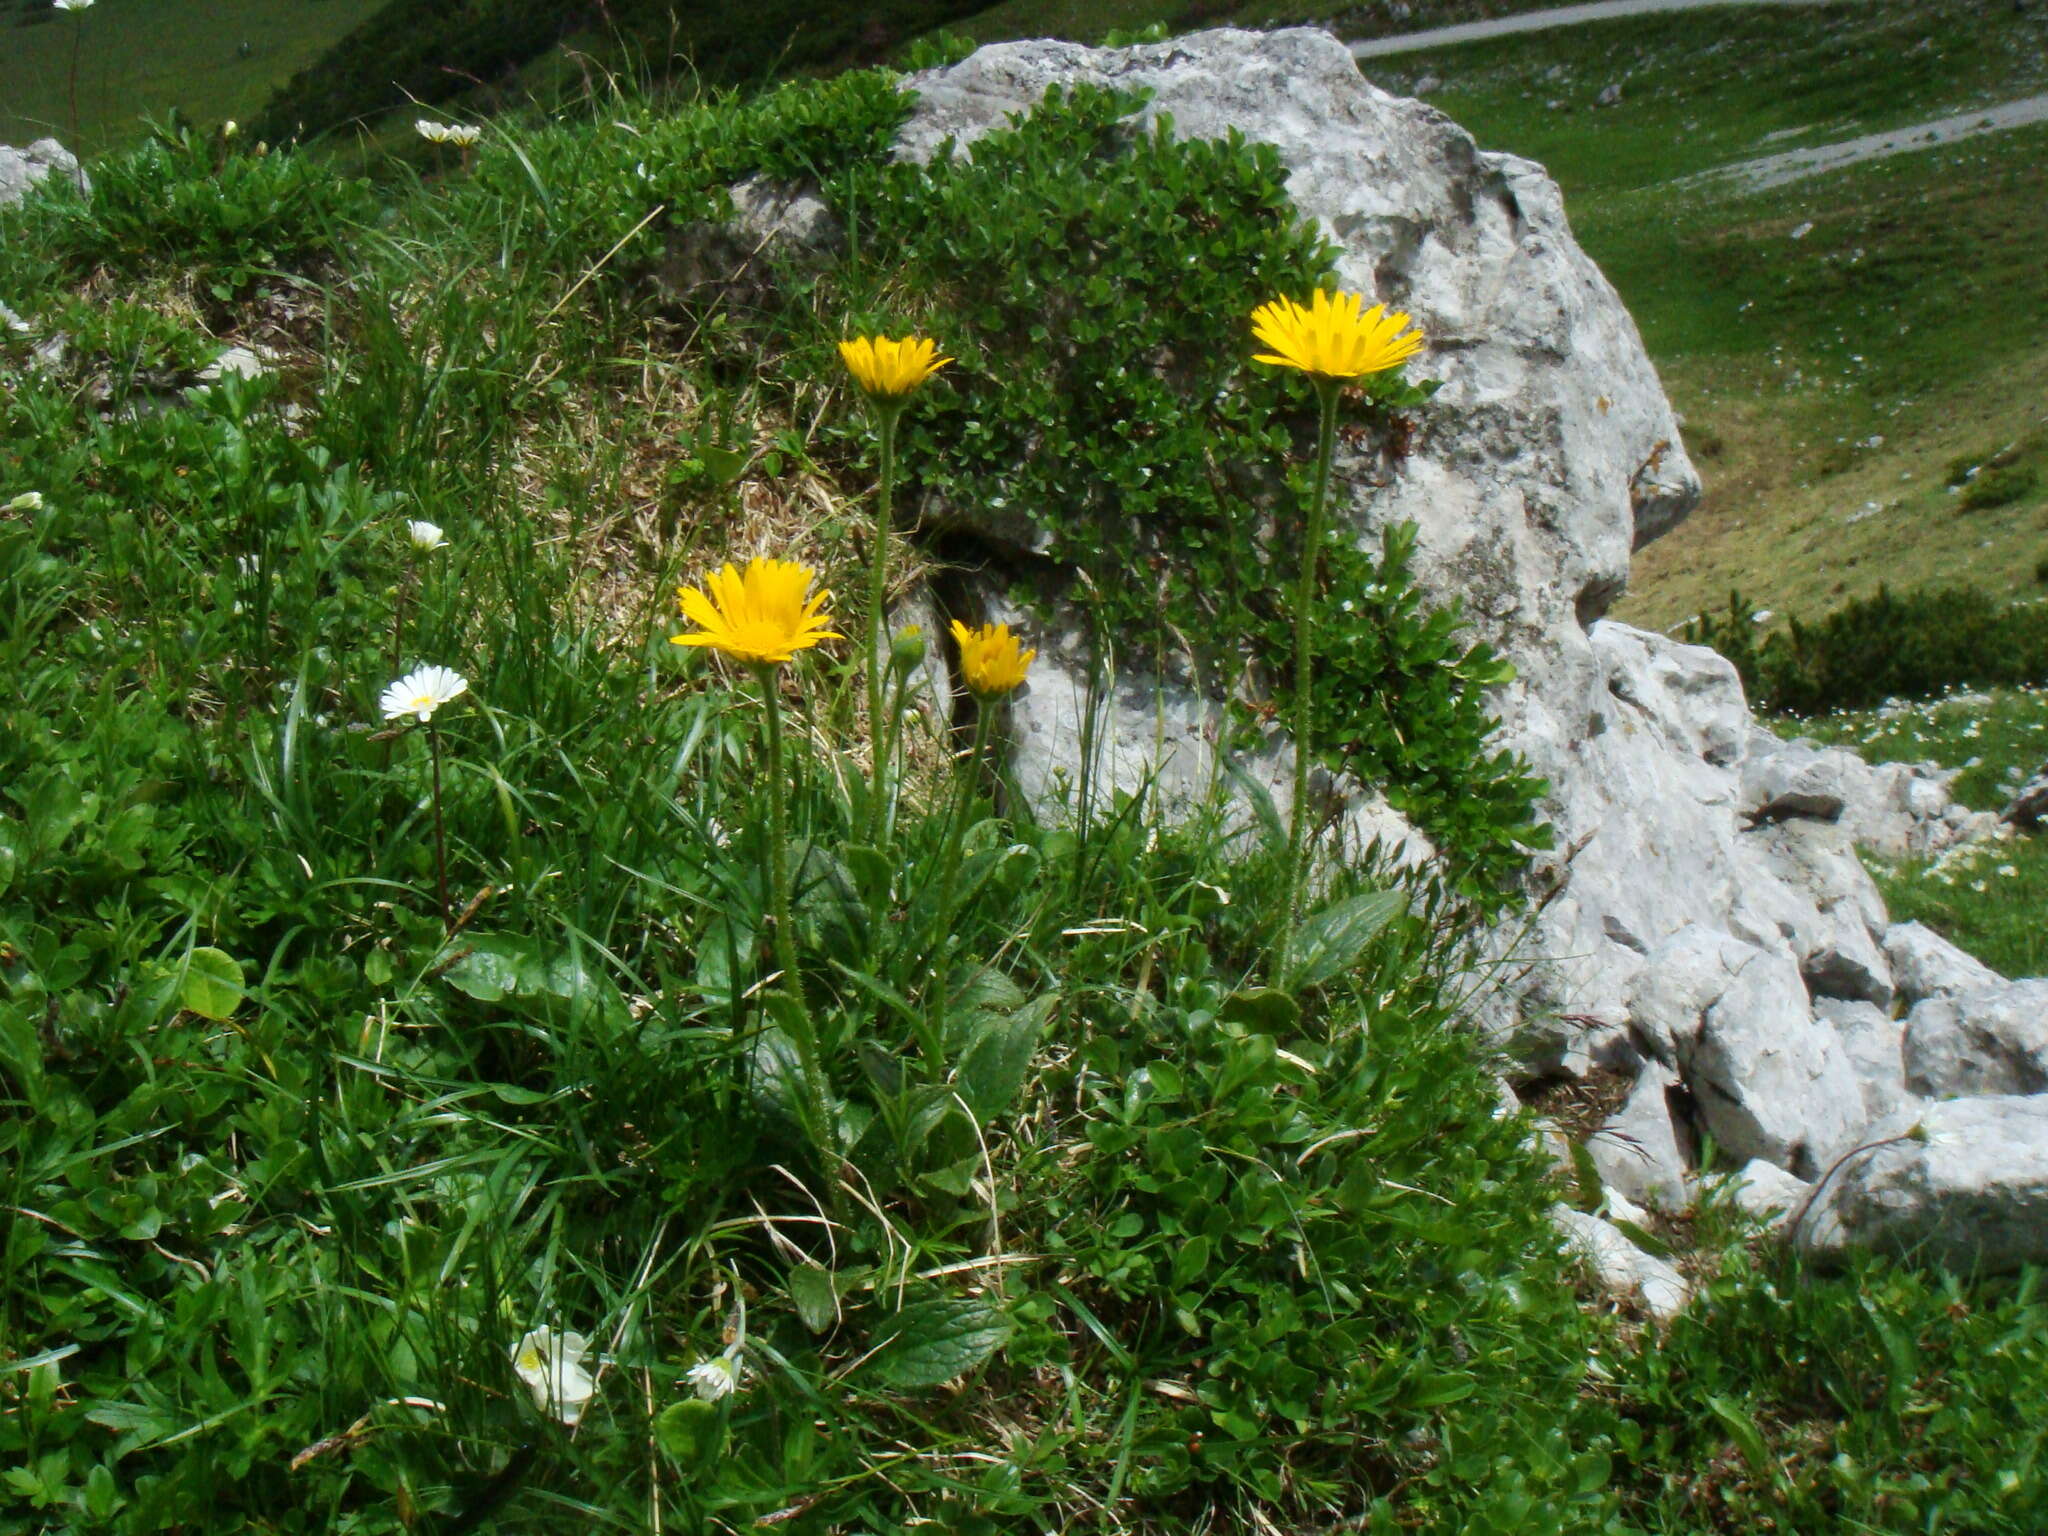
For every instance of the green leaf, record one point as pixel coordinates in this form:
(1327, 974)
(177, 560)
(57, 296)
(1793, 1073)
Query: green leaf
(1747, 1437)
(811, 1291)
(1265, 1009)
(1433, 1391)
(1333, 938)
(997, 1060)
(692, 1431)
(212, 986)
(930, 1343)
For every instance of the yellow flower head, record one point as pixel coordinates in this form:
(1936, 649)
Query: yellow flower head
(891, 369)
(763, 616)
(1331, 338)
(990, 659)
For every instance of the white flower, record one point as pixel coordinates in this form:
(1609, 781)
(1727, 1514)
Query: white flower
(431, 131)
(461, 135)
(716, 1377)
(421, 692)
(27, 501)
(552, 1369)
(230, 128)
(426, 537)
(71, 5)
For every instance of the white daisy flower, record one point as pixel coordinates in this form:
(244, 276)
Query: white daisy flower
(431, 131)
(426, 537)
(71, 5)
(461, 135)
(552, 1368)
(716, 1377)
(421, 692)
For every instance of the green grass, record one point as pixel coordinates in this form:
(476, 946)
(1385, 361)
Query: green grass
(1987, 897)
(146, 58)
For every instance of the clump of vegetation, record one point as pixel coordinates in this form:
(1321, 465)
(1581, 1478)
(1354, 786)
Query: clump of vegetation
(1895, 645)
(558, 1101)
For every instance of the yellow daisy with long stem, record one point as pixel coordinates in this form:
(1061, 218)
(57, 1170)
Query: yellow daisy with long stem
(887, 372)
(991, 659)
(763, 616)
(1333, 339)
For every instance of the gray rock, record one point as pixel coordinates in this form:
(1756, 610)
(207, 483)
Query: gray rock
(1836, 914)
(1963, 1184)
(1781, 779)
(1768, 1192)
(1610, 95)
(21, 169)
(1990, 1042)
(2030, 806)
(1875, 1044)
(1687, 974)
(1127, 738)
(1770, 1080)
(1621, 1268)
(1925, 965)
(240, 361)
(1637, 1151)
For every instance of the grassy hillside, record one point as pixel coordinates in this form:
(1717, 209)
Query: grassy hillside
(1835, 345)
(596, 1107)
(138, 58)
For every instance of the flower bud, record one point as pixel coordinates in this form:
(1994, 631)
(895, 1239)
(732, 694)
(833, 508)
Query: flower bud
(907, 653)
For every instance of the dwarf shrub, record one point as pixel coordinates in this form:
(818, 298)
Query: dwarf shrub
(1909, 644)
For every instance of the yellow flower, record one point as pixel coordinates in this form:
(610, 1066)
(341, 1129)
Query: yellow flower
(763, 616)
(1331, 339)
(990, 658)
(888, 368)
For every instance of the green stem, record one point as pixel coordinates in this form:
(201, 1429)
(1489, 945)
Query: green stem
(77, 36)
(1304, 612)
(949, 866)
(440, 836)
(886, 412)
(804, 1033)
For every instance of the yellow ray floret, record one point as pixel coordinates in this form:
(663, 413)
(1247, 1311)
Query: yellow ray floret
(763, 616)
(888, 368)
(1334, 336)
(990, 660)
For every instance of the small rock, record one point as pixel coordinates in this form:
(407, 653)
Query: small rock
(1982, 1043)
(2029, 807)
(21, 169)
(1875, 1044)
(1621, 1268)
(1962, 1183)
(1768, 1192)
(1925, 965)
(1637, 1152)
(1425, 85)
(1610, 95)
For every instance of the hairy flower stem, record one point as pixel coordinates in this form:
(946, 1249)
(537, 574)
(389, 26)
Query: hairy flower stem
(802, 1030)
(77, 36)
(949, 866)
(880, 745)
(440, 835)
(1304, 608)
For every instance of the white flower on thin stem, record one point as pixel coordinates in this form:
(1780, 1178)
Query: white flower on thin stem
(426, 537)
(716, 1377)
(431, 131)
(230, 128)
(462, 135)
(71, 5)
(421, 692)
(552, 1368)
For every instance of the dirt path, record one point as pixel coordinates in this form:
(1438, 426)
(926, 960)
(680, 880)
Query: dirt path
(1794, 164)
(1537, 21)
